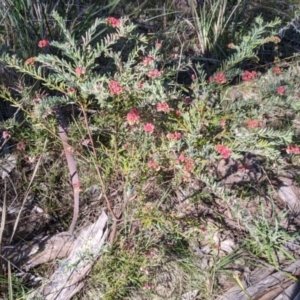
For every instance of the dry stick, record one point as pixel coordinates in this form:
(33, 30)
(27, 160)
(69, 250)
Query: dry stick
(3, 219)
(73, 173)
(62, 132)
(115, 218)
(9, 279)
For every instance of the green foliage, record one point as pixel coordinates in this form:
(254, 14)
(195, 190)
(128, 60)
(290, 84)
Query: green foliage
(246, 46)
(267, 240)
(153, 138)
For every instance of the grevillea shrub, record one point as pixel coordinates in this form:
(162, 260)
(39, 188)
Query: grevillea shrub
(138, 101)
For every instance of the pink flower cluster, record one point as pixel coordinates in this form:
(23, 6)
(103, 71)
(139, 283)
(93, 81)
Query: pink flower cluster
(6, 134)
(253, 124)
(113, 22)
(188, 163)
(43, 43)
(115, 88)
(223, 151)
(149, 127)
(281, 90)
(80, 71)
(174, 136)
(153, 165)
(292, 149)
(154, 73)
(219, 78)
(30, 61)
(276, 70)
(133, 116)
(21, 146)
(248, 76)
(163, 107)
(147, 60)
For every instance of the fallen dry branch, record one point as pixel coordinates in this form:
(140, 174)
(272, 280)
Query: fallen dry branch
(281, 285)
(39, 251)
(68, 279)
(81, 253)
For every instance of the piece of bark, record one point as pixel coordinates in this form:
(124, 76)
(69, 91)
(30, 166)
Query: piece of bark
(68, 279)
(41, 250)
(292, 292)
(268, 288)
(7, 165)
(56, 247)
(290, 193)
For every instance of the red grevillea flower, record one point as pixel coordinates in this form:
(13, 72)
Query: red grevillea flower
(163, 106)
(154, 73)
(6, 134)
(133, 116)
(280, 90)
(181, 158)
(113, 22)
(149, 127)
(253, 124)
(223, 151)
(153, 165)
(292, 149)
(188, 164)
(147, 60)
(21, 146)
(248, 76)
(43, 43)
(276, 70)
(174, 136)
(177, 135)
(30, 61)
(115, 88)
(220, 78)
(80, 71)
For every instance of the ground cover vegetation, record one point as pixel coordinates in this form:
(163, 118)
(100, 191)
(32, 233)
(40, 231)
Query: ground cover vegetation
(180, 119)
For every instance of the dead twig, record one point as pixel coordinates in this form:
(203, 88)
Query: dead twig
(73, 173)
(62, 132)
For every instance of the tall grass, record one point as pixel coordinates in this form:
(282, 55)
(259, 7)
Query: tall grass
(210, 22)
(25, 22)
